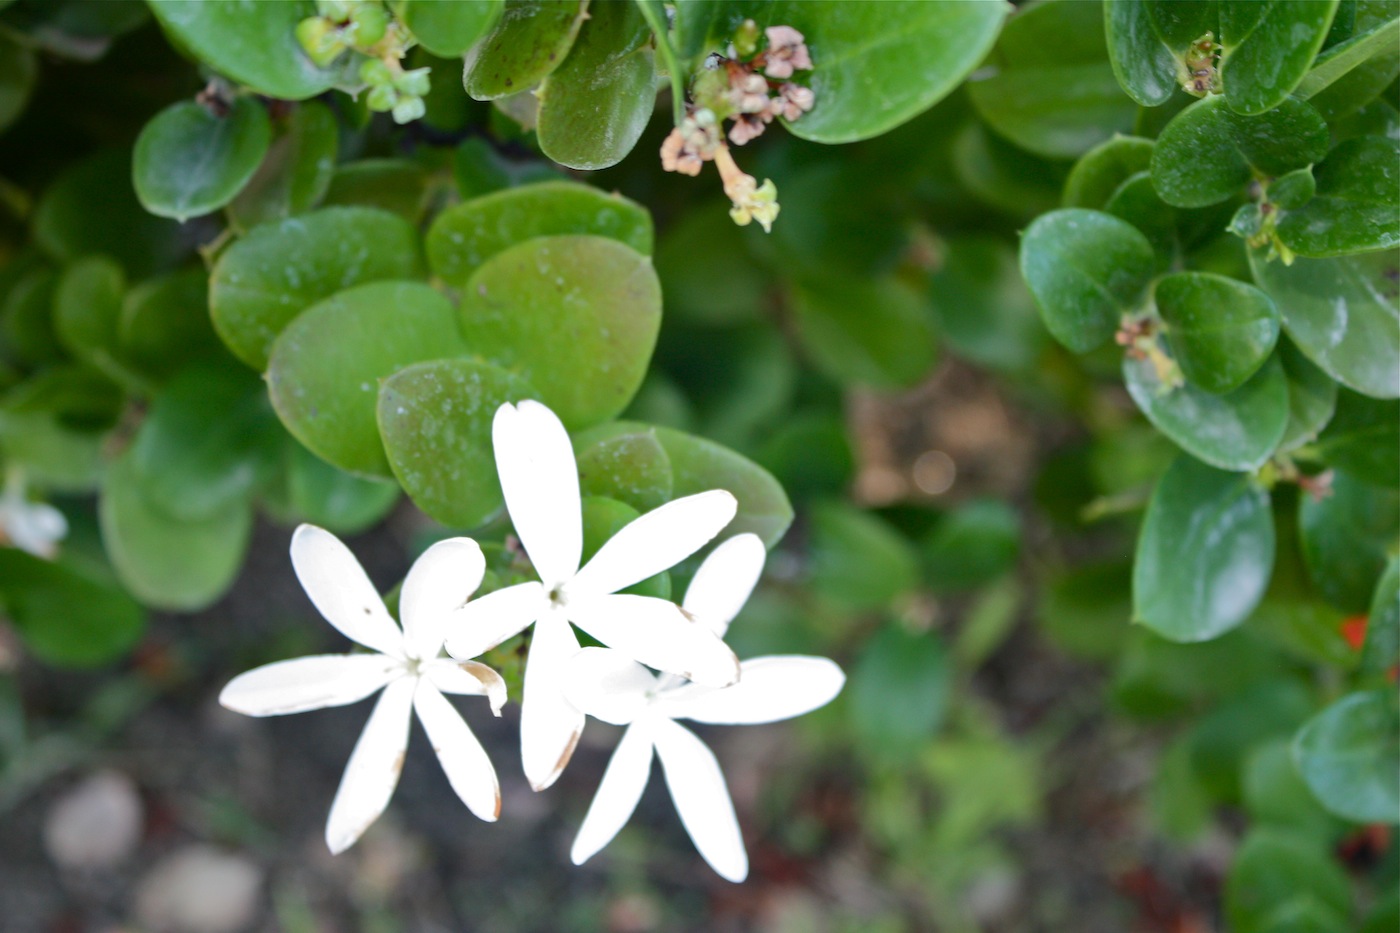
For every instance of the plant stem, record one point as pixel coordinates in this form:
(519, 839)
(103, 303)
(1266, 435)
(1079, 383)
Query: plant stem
(655, 15)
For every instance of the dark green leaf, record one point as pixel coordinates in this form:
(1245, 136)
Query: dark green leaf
(27, 329)
(707, 276)
(323, 495)
(1137, 202)
(1247, 719)
(1349, 755)
(1363, 439)
(1312, 397)
(698, 464)
(1100, 171)
(899, 691)
(165, 323)
(856, 560)
(872, 332)
(18, 68)
(1268, 48)
(810, 455)
(87, 309)
(1002, 175)
(1086, 611)
(1275, 869)
(1341, 59)
(529, 40)
(971, 546)
(1144, 65)
(1380, 653)
(190, 161)
(1220, 330)
(66, 617)
(631, 468)
(981, 305)
(1356, 208)
(1347, 538)
(1275, 794)
(1205, 553)
(399, 186)
(449, 29)
(296, 172)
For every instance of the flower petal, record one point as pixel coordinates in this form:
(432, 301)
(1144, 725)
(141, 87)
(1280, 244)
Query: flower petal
(769, 689)
(373, 770)
(539, 478)
(441, 580)
(549, 724)
(309, 683)
(485, 622)
(463, 759)
(337, 584)
(467, 678)
(722, 583)
(654, 542)
(35, 527)
(608, 685)
(658, 634)
(702, 798)
(618, 793)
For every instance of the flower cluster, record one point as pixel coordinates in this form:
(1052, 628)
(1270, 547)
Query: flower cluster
(35, 527)
(699, 676)
(366, 27)
(749, 88)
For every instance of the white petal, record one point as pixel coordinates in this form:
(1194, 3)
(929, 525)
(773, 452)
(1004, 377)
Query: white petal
(539, 478)
(35, 527)
(373, 770)
(440, 581)
(618, 793)
(608, 685)
(549, 724)
(467, 678)
(724, 581)
(463, 759)
(303, 684)
(485, 622)
(337, 584)
(654, 542)
(701, 798)
(769, 689)
(658, 634)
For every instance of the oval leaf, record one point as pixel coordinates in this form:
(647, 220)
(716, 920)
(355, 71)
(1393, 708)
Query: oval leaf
(1220, 330)
(190, 161)
(1349, 755)
(449, 29)
(296, 171)
(1347, 537)
(64, 616)
(529, 40)
(876, 332)
(1356, 207)
(1268, 48)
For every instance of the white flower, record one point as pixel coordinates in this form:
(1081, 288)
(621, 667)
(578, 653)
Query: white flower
(36, 527)
(539, 478)
(607, 685)
(405, 663)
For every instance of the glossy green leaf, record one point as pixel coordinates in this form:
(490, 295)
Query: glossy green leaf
(698, 464)
(399, 186)
(1347, 538)
(1276, 795)
(576, 316)
(1205, 553)
(1052, 90)
(1344, 313)
(529, 40)
(1312, 397)
(435, 420)
(630, 468)
(1208, 153)
(165, 323)
(164, 562)
(1238, 431)
(323, 495)
(1363, 439)
(1145, 66)
(1086, 270)
(190, 161)
(465, 236)
(1349, 755)
(1220, 330)
(1357, 205)
(825, 225)
(254, 44)
(263, 281)
(1137, 202)
(1100, 171)
(874, 332)
(18, 68)
(65, 616)
(1337, 61)
(898, 691)
(208, 440)
(449, 29)
(981, 305)
(1380, 653)
(295, 173)
(595, 105)
(971, 546)
(1276, 868)
(326, 367)
(856, 560)
(1268, 48)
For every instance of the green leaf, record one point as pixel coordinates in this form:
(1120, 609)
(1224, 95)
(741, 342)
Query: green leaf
(698, 464)
(18, 68)
(39, 436)
(1363, 439)
(1344, 313)
(1100, 171)
(999, 174)
(529, 40)
(1268, 48)
(1086, 611)
(810, 455)
(971, 546)
(1137, 202)
(1086, 270)
(399, 186)
(1238, 431)
(27, 322)
(209, 439)
(1246, 719)
(1208, 153)
(449, 29)
(1341, 59)
(707, 275)
(263, 281)
(435, 420)
(1356, 208)
(254, 44)
(981, 305)
(1312, 397)
(1220, 330)
(595, 105)
(326, 367)
(64, 616)
(1143, 64)
(575, 316)
(1205, 553)
(856, 560)
(1347, 538)
(1052, 90)
(164, 562)
(1275, 868)
(873, 332)
(899, 691)
(630, 468)
(465, 236)
(323, 495)
(190, 161)
(1380, 653)
(87, 309)
(165, 323)
(1275, 794)
(295, 173)
(1349, 755)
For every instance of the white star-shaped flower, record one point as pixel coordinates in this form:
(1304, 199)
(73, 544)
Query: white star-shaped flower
(405, 663)
(35, 527)
(611, 687)
(539, 479)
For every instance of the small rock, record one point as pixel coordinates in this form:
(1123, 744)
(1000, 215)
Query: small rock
(199, 889)
(96, 824)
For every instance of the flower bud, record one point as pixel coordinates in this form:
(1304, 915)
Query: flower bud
(415, 83)
(409, 109)
(369, 22)
(375, 73)
(320, 39)
(746, 39)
